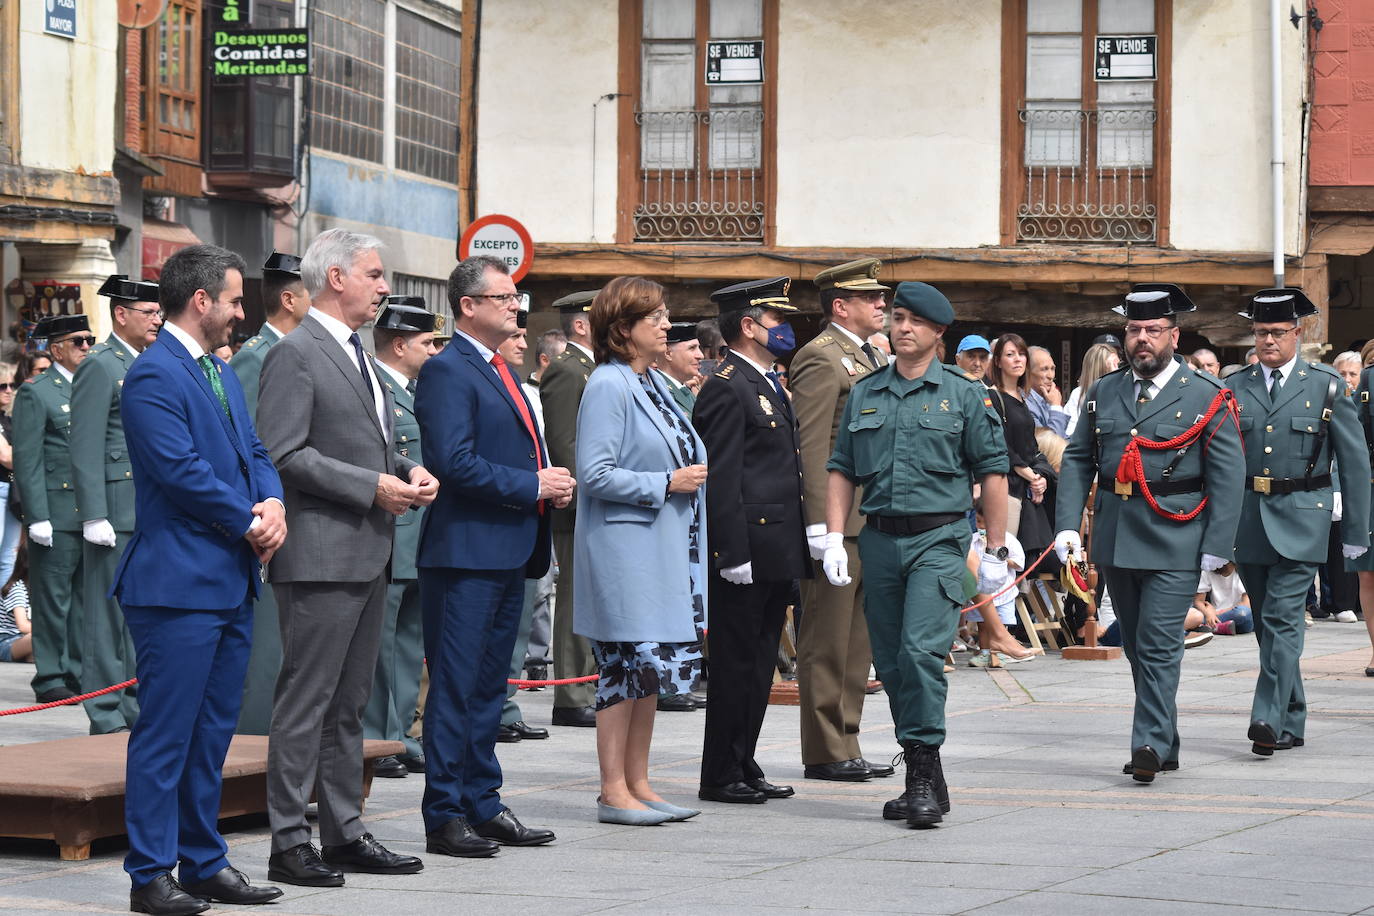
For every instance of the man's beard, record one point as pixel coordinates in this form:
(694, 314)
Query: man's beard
(1150, 365)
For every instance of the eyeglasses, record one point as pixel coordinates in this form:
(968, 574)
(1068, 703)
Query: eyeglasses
(1152, 333)
(658, 316)
(1275, 334)
(85, 340)
(502, 298)
(8, 386)
(152, 313)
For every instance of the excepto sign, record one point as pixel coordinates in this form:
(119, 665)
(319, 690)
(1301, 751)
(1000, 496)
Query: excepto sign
(59, 18)
(734, 62)
(259, 52)
(1123, 57)
(501, 237)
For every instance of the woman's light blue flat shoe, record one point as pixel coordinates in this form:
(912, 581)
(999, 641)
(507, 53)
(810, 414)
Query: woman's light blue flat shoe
(631, 817)
(678, 813)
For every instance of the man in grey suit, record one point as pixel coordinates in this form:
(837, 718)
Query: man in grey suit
(326, 418)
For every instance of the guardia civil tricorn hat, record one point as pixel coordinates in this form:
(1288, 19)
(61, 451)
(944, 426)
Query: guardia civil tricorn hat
(57, 325)
(1287, 304)
(121, 288)
(1147, 301)
(405, 313)
(282, 263)
(682, 331)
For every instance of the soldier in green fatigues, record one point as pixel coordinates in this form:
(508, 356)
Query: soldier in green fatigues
(1150, 554)
(916, 435)
(103, 478)
(679, 366)
(43, 473)
(402, 338)
(286, 302)
(1296, 420)
(560, 389)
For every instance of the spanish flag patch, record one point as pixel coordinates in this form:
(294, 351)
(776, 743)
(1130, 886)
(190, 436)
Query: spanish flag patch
(987, 402)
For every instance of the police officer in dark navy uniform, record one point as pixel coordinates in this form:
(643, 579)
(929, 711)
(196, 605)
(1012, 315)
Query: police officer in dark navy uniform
(754, 531)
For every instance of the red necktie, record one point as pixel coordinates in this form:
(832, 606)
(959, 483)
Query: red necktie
(503, 370)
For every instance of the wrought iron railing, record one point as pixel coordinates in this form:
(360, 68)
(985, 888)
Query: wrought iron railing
(1089, 176)
(700, 176)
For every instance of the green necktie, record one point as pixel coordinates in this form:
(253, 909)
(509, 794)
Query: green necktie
(207, 365)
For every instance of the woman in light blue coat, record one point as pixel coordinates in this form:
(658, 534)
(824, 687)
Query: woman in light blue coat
(640, 543)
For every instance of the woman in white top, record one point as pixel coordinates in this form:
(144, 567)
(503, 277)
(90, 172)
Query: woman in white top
(1097, 362)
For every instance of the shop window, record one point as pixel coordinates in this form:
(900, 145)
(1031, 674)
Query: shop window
(348, 77)
(251, 120)
(426, 97)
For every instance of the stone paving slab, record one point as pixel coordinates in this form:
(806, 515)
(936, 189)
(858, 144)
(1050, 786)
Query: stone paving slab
(1043, 820)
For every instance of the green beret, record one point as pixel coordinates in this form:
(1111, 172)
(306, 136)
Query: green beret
(924, 301)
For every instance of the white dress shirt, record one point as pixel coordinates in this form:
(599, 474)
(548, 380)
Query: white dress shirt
(185, 339)
(341, 332)
(1286, 369)
(1159, 381)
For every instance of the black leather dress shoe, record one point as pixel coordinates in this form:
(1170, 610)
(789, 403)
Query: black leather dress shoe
(736, 793)
(1168, 767)
(877, 769)
(839, 771)
(507, 735)
(301, 865)
(768, 789)
(676, 702)
(389, 768)
(1287, 741)
(1263, 738)
(528, 732)
(229, 885)
(1145, 763)
(575, 716)
(164, 897)
(54, 695)
(456, 838)
(365, 854)
(415, 763)
(700, 699)
(507, 830)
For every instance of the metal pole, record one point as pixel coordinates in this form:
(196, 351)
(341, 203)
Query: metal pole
(1276, 125)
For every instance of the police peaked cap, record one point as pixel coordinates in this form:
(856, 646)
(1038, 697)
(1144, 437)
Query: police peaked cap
(682, 331)
(282, 263)
(1147, 301)
(57, 325)
(924, 301)
(768, 294)
(120, 287)
(405, 313)
(1272, 305)
(574, 303)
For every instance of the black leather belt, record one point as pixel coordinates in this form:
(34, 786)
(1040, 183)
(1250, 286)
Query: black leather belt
(906, 525)
(1171, 487)
(1281, 485)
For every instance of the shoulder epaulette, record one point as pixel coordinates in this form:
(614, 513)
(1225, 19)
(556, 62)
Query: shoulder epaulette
(252, 342)
(825, 339)
(725, 372)
(1329, 370)
(1119, 369)
(1209, 378)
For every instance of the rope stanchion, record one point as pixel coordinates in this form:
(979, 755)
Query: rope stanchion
(990, 598)
(70, 701)
(558, 682)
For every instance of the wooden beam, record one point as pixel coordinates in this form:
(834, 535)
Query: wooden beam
(470, 38)
(1340, 200)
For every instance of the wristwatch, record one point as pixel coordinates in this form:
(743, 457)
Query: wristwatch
(1001, 553)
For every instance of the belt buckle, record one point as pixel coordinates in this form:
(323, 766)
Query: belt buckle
(1262, 484)
(1124, 490)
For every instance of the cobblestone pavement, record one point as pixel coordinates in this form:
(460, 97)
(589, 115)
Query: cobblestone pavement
(1043, 821)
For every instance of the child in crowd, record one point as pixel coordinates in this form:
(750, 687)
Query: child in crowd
(16, 631)
(992, 622)
(1222, 604)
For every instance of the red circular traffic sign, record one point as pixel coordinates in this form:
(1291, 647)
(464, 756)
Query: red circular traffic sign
(502, 237)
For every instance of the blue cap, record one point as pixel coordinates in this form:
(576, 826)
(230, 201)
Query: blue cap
(974, 342)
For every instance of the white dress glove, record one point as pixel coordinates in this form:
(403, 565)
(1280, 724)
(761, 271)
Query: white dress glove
(1212, 562)
(992, 574)
(739, 575)
(1066, 543)
(1352, 552)
(815, 540)
(835, 561)
(41, 533)
(99, 532)
(1336, 507)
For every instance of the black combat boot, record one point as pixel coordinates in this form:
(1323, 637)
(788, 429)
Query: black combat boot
(896, 809)
(922, 765)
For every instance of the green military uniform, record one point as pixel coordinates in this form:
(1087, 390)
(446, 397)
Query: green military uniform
(1151, 564)
(680, 392)
(560, 390)
(43, 473)
(102, 476)
(260, 682)
(833, 654)
(396, 683)
(1291, 439)
(1362, 396)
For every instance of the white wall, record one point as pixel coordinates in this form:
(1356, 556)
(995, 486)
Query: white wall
(1221, 127)
(543, 65)
(889, 123)
(67, 89)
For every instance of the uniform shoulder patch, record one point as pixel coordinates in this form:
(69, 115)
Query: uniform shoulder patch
(825, 339)
(726, 372)
(1209, 379)
(1329, 370)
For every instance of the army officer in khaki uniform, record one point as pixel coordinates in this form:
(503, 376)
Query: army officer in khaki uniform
(1152, 531)
(833, 656)
(1296, 419)
(104, 481)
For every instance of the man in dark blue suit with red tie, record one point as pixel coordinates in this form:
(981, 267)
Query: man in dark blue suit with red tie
(487, 532)
(209, 516)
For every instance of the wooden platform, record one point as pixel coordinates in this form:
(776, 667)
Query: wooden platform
(71, 791)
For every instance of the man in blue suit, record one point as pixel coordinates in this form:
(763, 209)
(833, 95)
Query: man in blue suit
(209, 509)
(487, 532)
